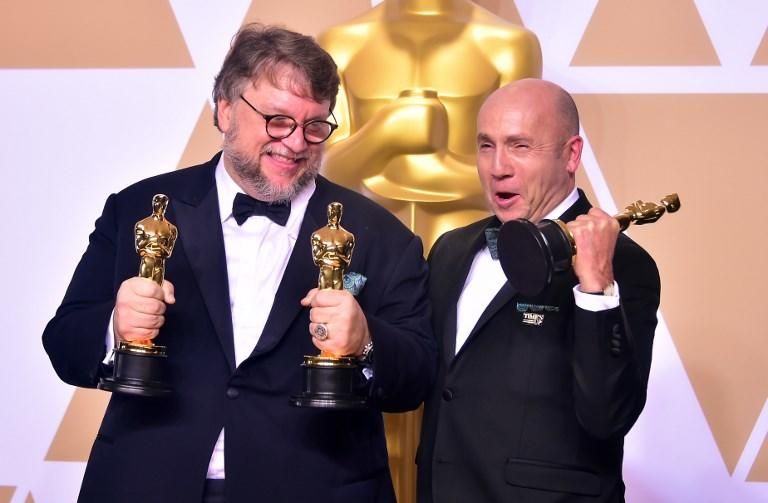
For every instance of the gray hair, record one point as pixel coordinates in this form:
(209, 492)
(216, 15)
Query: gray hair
(260, 51)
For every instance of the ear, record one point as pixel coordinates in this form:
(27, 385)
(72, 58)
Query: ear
(573, 150)
(224, 113)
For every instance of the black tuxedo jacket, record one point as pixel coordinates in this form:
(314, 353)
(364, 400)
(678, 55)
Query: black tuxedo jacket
(158, 450)
(529, 412)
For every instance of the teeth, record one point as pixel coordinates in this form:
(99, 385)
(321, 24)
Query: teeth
(283, 156)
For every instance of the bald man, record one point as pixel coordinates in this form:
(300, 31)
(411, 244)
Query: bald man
(535, 394)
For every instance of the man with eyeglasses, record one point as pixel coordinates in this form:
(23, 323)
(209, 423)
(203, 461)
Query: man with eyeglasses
(239, 306)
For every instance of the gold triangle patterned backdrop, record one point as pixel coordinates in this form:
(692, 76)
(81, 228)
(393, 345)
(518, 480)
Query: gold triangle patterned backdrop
(673, 96)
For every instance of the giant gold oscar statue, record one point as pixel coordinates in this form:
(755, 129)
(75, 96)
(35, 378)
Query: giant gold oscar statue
(414, 74)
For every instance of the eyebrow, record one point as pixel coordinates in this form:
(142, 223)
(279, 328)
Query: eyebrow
(516, 138)
(285, 113)
(482, 137)
(281, 111)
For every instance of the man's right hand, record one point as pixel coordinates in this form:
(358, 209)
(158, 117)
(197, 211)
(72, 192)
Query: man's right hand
(140, 309)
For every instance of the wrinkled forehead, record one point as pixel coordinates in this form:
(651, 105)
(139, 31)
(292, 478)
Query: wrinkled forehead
(518, 112)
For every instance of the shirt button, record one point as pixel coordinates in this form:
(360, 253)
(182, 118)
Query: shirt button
(232, 393)
(447, 394)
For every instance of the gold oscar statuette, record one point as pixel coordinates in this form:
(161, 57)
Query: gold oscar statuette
(331, 381)
(530, 253)
(140, 366)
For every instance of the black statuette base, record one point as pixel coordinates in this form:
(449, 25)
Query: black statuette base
(138, 371)
(331, 383)
(529, 254)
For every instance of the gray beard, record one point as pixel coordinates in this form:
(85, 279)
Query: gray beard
(248, 169)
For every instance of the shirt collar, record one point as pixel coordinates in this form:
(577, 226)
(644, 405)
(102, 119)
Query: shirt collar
(563, 206)
(227, 189)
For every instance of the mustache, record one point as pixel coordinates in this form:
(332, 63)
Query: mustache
(285, 152)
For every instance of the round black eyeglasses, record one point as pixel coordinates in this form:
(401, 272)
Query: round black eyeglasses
(282, 126)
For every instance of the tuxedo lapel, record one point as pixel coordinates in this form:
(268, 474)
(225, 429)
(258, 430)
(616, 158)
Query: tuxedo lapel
(300, 275)
(455, 279)
(505, 294)
(507, 291)
(580, 207)
(200, 234)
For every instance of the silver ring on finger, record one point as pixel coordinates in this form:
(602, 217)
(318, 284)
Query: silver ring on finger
(320, 332)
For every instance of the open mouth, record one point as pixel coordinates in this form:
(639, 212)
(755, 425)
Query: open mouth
(504, 198)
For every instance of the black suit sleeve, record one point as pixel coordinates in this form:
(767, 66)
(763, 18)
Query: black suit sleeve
(612, 349)
(405, 361)
(75, 338)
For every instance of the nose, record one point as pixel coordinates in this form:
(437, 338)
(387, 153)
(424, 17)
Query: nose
(501, 165)
(295, 141)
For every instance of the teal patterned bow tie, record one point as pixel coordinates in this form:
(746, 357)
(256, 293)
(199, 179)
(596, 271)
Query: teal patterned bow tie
(492, 238)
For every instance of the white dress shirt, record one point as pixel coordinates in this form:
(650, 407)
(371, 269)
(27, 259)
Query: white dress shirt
(257, 254)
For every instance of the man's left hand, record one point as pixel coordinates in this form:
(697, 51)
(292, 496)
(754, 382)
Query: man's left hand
(344, 320)
(595, 236)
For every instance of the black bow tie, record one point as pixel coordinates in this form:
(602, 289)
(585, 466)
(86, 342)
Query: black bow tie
(245, 206)
(492, 238)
